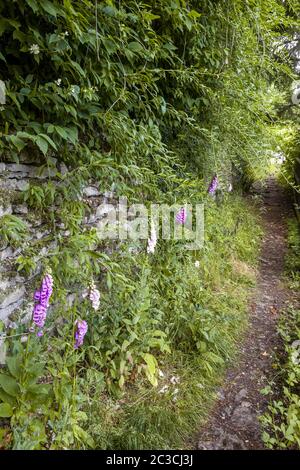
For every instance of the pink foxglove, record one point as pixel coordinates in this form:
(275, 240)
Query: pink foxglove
(81, 330)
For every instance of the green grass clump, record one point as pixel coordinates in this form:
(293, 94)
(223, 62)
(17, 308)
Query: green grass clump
(281, 422)
(293, 255)
(205, 327)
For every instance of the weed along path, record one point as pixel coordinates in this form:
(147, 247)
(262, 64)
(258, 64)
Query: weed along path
(234, 423)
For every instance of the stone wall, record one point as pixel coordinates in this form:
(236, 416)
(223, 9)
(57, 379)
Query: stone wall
(16, 291)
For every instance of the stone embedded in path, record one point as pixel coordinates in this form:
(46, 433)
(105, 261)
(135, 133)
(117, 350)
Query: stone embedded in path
(242, 394)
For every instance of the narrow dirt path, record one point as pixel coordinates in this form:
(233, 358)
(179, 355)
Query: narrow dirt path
(234, 423)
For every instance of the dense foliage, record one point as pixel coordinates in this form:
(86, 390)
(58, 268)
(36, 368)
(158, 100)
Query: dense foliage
(282, 420)
(121, 87)
(149, 100)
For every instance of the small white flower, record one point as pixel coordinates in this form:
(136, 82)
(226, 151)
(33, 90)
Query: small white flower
(153, 240)
(151, 246)
(74, 90)
(58, 82)
(160, 373)
(197, 264)
(94, 296)
(34, 49)
(85, 293)
(164, 389)
(24, 339)
(175, 380)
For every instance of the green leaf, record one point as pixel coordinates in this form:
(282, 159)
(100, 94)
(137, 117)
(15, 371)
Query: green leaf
(109, 280)
(50, 128)
(72, 134)
(169, 46)
(82, 435)
(194, 14)
(121, 381)
(14, 365)
(50, 141)
(149, 16)
(33, 5)
(151, 362)
(38, 389)
(6, 410)
(49, 7)
(135, 46)
(109, 10)
(42, 141)
(62, 132)
(3, 25)
(17, 142)
(188, 24)
(14, 23)
(80, 71)
(7, 398)
(9, 385)
(125, 345)
(109, 45)
(42, 144)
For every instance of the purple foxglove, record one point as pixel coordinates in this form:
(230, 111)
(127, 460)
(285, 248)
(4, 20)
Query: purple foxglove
(39, 315)
(213, 185)
(41, 298)
(81, 330)
(181, 216)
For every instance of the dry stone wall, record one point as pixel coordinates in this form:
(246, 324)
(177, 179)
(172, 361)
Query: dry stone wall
(16, 290)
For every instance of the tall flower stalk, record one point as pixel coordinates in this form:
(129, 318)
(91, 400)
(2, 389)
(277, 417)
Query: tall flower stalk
(181, 216)
(41, 298)
(153, 240)
(213, 185)
(94, 296)
(80, 332)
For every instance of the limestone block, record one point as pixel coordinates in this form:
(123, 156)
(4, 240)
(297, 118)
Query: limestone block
(91, 191)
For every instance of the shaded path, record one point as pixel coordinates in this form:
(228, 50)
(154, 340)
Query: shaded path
(233, 423)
